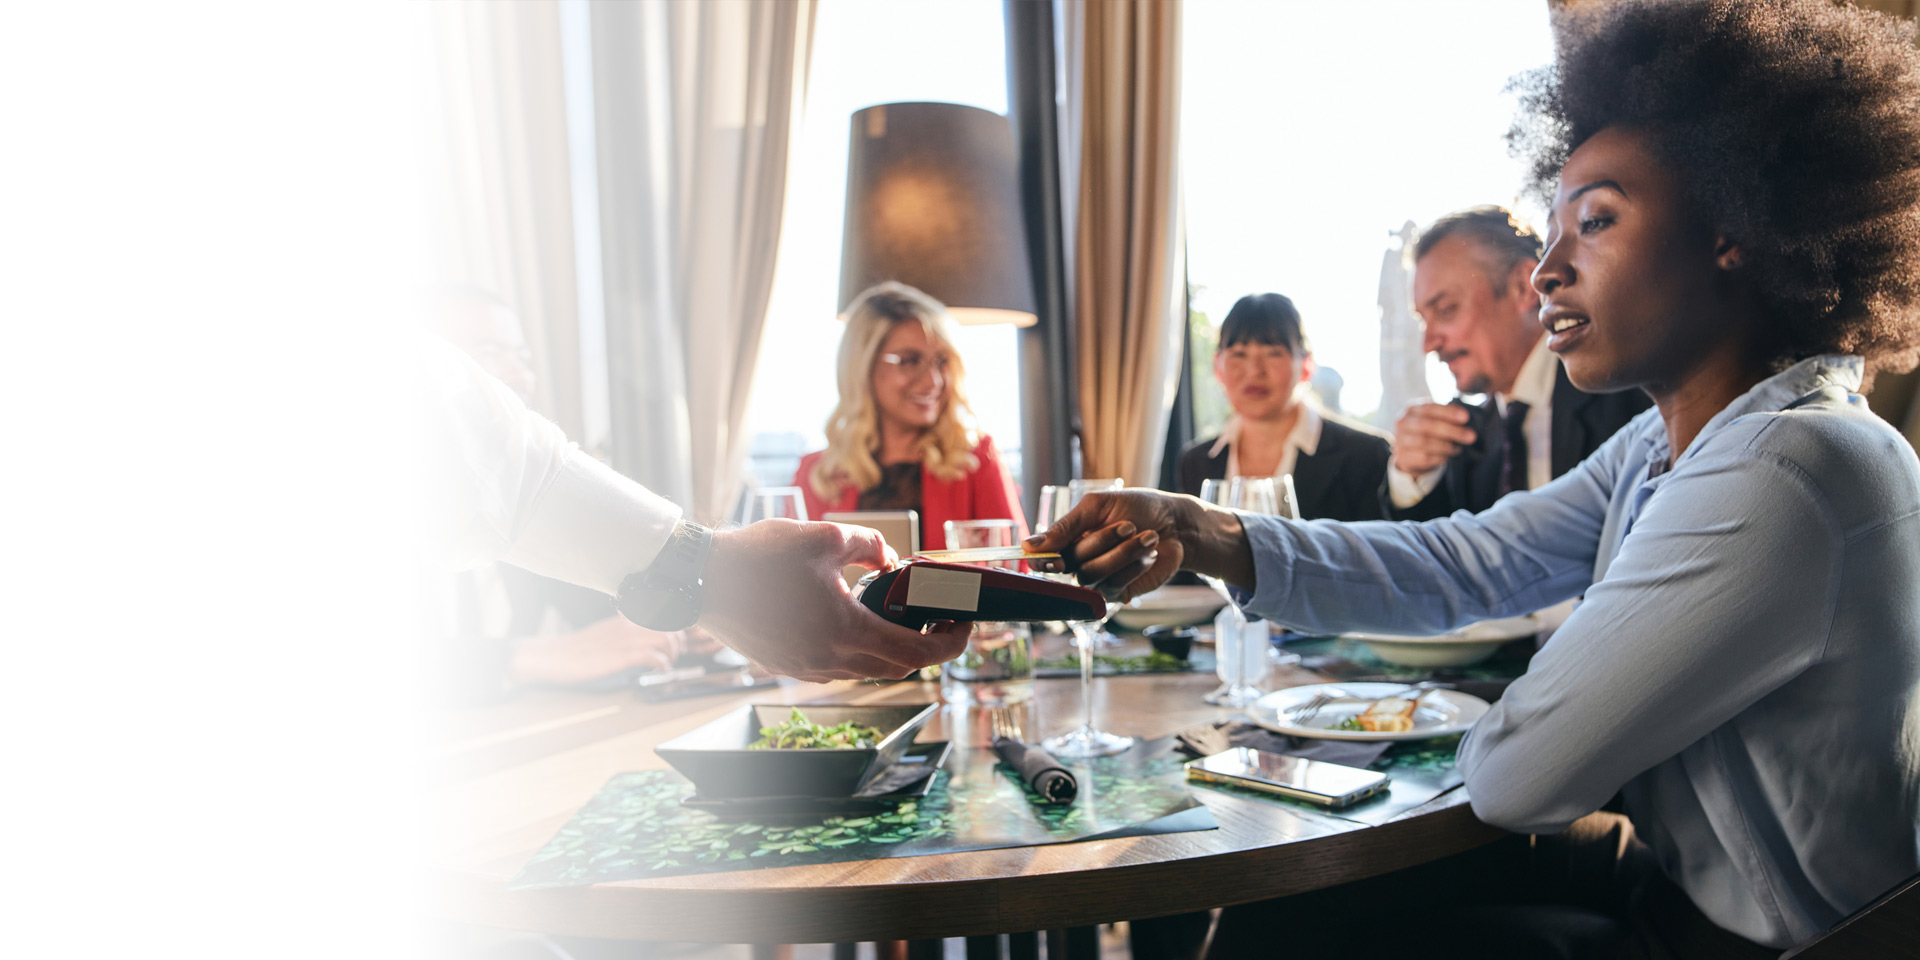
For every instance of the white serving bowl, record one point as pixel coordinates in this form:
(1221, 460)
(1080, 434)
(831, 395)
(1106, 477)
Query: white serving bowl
(1172, 605)
(1470, 644)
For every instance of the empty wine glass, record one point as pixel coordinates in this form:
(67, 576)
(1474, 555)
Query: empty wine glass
(1076, 491)
(769, 503)
(1086, 740)
(1240, 647)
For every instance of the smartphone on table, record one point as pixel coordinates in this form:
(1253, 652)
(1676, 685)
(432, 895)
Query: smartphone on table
(1330, 785)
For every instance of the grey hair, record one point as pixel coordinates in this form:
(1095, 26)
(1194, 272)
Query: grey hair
(1504, 238)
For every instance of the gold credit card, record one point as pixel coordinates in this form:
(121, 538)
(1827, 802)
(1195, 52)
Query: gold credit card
(982, 555)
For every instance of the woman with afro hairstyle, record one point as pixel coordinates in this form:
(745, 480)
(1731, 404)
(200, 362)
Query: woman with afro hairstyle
(1734, 229)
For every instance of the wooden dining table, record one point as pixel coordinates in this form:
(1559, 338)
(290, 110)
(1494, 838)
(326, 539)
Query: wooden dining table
(511, 773)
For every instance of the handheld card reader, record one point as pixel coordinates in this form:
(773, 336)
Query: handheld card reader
(919, 592)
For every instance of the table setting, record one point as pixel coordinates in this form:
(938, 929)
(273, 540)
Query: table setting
(966, 768)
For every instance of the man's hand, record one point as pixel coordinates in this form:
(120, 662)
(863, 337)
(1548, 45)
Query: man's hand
(773, 592)
(1427, 435)
(1125, 543)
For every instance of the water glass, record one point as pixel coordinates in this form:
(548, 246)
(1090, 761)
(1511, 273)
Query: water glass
(995, 670)
(1241, 642)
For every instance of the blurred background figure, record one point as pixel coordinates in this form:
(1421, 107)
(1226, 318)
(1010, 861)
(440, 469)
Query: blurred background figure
(902, 436)
(1278, 426)
(510, 627)
(1472, 286)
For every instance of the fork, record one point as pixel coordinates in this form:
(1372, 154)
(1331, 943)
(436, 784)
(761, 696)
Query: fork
(1004, 723)
(1312, 707)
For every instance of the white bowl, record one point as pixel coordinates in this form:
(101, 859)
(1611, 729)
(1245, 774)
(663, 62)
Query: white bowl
(1177, 606)
(1470, 644)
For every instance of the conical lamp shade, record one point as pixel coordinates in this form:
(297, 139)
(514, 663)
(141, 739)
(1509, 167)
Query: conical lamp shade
(933, 201)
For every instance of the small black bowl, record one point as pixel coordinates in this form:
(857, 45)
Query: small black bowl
(1175, 642)
(715, 757)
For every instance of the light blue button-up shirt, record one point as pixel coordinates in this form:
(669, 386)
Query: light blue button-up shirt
(1745, 667)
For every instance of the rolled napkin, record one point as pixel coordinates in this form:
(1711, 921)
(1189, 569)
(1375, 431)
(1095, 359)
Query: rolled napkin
(1041, 772)
(1205, 741)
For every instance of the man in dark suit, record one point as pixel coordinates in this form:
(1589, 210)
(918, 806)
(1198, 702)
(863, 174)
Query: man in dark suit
(1263, 362)
(1472, 288)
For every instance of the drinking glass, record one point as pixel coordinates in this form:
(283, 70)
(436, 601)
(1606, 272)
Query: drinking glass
(1076, 491)
(769, 503)
(1289, 508)
(1086, 741)
(997, 667)
(995, 670)
(1240, 642)
(969, 534)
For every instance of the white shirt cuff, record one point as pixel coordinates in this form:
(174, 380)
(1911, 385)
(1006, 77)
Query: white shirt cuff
(593, 526)
(1407, 490)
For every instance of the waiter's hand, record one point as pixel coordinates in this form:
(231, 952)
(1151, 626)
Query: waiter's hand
(1127, 542)
(774, 592)
(1427, 435)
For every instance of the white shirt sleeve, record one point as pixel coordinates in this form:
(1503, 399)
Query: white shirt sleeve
(506, 484)
(1406, 489)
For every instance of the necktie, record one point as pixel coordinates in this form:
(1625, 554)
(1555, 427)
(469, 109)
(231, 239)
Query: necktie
(1514, 454)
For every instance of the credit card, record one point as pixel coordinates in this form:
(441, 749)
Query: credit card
(982, 555)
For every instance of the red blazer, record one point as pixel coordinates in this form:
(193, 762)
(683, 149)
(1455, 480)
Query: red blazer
(985, 493)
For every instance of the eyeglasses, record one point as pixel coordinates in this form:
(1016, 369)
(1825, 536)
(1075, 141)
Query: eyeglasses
(913, 363)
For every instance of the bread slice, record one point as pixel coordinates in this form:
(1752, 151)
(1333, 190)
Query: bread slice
(1392, 715)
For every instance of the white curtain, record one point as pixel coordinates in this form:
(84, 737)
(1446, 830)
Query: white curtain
(695, 105)
(501, 201)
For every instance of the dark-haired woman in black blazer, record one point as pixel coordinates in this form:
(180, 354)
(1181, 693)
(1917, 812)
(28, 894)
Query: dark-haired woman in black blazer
(1263, 362)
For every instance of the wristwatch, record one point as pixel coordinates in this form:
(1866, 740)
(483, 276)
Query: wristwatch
(666, 595)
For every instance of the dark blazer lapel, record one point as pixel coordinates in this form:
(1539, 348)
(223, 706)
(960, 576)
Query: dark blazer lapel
(1313, 476)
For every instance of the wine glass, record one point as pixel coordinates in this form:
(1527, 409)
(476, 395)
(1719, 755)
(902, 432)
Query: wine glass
(1086, 741)
(769, 503)
(1076, 491)
(1240, 663)
(1289, 508)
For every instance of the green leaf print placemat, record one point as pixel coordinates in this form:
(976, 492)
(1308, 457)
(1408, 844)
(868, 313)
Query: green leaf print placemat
(635, 827)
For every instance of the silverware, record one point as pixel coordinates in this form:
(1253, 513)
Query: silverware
(1305, 712)
(1311, 708)
(1004, 723)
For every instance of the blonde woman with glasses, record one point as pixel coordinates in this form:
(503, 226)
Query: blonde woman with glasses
(902, 436)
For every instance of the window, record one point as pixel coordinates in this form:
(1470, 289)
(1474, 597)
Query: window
(1311, 132)
(867, 52)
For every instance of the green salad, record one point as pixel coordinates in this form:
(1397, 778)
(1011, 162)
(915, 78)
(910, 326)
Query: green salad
(798, 733)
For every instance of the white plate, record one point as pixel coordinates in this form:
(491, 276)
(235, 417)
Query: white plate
(1469, 644)
(1440, 712)
(1179, 605)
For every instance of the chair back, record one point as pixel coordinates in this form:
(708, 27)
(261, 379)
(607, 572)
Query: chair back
(1887, 927)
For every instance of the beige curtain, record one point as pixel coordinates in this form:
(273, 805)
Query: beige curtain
(1123, 76)
(695, 105)
(501, 202)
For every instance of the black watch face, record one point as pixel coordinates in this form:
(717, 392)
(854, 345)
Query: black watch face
(657, 608)
(677, 613)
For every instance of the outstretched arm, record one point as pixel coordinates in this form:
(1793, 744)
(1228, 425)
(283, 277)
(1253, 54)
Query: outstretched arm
(512, 488)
